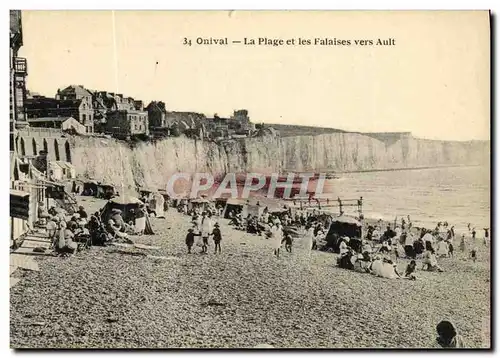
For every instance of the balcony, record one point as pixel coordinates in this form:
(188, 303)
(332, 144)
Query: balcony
(20, 66)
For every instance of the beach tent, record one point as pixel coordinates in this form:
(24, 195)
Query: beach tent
(90, 188)
(147, 192)
(221, 201)
(59, 170)
(253, 210)
(199, 203)
(233, 205)
(106, 191)
(344, 226)
(128, 205)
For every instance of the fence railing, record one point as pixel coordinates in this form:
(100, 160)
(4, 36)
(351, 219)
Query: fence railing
(37, 131)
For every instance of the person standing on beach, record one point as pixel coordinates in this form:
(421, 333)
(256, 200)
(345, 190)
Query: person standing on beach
(206, 229)
(462, 243)
(277, 237)
(190, 239)
(473, 254)
(217, 236)
(309, 237)
(376, 234)
(343, 247)
(288, 242)
(486, 236)
(409, 241)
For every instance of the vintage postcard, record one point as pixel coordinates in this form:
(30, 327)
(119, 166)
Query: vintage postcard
(250, 179)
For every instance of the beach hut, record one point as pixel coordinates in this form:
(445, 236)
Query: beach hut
(252, 210)
(146, 193)
(59, 170)
(55, 190)
(344, 226)
(199, 203)
(233, 205)
(106, 191)
(128, 205)
(89, 188)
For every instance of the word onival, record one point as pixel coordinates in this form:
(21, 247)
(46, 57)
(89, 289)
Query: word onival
(277, 42)
(193, 184)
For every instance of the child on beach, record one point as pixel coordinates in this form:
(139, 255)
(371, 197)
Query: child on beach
(190, 239)
(288, 242)
(473, 254)
(462, 243)
(385, 248)
(410, 269)
(450, 248)
(448, 336)
(206, 229)
(217, 236)
(486, 236)
(429, 262)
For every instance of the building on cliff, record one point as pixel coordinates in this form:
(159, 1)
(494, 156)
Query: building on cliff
(157, 117)
(241, 122)
(66, 124)
(18, 73)
(123, 124)
(183, 119)
(44, 107)
(238, 125)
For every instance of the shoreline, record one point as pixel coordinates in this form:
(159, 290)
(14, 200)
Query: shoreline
(413, 168)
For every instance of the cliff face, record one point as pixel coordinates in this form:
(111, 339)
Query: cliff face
(151, 165)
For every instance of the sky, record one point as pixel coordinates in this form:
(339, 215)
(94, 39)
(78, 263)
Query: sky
(434, 81)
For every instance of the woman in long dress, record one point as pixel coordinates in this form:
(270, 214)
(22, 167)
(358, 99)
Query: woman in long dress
(442, 249)
(309, 238)
(462, 243)
(140, 220)
(277, 237)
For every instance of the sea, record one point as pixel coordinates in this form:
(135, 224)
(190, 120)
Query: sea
(457, 195)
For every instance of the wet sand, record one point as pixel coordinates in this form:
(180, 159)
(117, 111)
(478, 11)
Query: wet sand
(106, 298)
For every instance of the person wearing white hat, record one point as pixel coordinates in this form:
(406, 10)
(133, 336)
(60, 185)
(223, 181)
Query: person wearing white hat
(343, 248)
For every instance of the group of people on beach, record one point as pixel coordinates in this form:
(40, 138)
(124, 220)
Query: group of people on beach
(204, 226)
(64, 231)
(266, 223)
(404, 241)
(71, 231)
(377, 252)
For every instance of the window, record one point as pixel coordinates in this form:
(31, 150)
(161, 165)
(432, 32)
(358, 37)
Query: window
(84, 117)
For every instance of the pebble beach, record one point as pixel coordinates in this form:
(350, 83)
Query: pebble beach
(119, 297)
